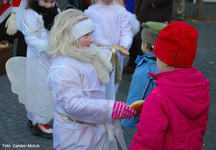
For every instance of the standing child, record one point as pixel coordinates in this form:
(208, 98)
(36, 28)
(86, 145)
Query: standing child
(83, 118)
(175, 113)
(112, 27)
(142, 83)
(38, 18)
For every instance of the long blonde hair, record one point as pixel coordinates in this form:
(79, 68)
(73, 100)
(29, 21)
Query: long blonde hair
(61, 40)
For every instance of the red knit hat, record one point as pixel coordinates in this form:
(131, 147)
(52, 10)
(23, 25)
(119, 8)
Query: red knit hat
(176, 44)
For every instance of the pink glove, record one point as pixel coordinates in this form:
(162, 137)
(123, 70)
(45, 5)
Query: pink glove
(122, 110)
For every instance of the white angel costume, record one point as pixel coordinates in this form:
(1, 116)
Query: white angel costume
(82, 117)
(36, 37)
(112, 27)
(19, 14)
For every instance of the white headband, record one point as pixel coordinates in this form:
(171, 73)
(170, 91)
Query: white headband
(82, 28)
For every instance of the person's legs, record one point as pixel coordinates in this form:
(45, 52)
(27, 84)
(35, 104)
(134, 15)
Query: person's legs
(39, 126)
(21, 45)
(180, 9)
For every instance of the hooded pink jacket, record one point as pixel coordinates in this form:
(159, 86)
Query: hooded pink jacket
(175, 113)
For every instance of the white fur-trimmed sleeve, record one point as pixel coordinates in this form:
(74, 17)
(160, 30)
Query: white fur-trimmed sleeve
(33, 29)
(135, 24)
(126, 35)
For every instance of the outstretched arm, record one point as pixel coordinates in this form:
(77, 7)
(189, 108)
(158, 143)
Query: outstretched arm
(152, 125)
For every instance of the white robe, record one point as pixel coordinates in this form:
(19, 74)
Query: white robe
(112, 27)
(19, 14)
(80, 95)
(36, 37)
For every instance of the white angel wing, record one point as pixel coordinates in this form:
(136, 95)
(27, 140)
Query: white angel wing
(28, 80)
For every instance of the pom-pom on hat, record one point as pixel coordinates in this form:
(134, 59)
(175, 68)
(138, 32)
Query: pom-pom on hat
(150, 31)
(176, 44)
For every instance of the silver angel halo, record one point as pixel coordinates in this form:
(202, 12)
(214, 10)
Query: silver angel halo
(28, 81)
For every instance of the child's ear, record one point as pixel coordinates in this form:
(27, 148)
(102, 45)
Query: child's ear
(146, 45)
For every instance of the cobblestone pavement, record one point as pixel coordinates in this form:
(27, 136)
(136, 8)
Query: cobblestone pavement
(15, 134)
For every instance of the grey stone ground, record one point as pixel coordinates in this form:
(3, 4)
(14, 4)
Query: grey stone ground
(13, 121)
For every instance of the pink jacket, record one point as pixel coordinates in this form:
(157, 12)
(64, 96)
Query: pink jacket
(175, 113)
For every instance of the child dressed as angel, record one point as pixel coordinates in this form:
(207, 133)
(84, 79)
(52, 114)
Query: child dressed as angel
(112, 27)
(83, 118)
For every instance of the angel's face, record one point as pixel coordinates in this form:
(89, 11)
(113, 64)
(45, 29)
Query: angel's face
(86, 40)
(107, 2)
(46, 3)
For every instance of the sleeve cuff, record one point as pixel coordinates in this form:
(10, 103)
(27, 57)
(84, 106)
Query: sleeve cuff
(109, 110)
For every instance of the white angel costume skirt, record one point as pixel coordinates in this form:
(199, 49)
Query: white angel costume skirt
(78, 136)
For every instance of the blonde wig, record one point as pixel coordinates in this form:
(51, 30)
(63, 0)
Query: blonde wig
(61, 40)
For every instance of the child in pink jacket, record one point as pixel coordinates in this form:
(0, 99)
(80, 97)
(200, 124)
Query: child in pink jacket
(175, 113)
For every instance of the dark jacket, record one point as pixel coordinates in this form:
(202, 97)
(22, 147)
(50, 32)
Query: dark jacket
(153, 10)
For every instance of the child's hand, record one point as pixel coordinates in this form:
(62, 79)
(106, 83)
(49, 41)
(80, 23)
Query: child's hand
(122, 49)
(122, 110)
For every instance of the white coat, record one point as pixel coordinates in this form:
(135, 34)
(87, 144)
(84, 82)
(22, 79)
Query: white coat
(79, 94)
(36, 37)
